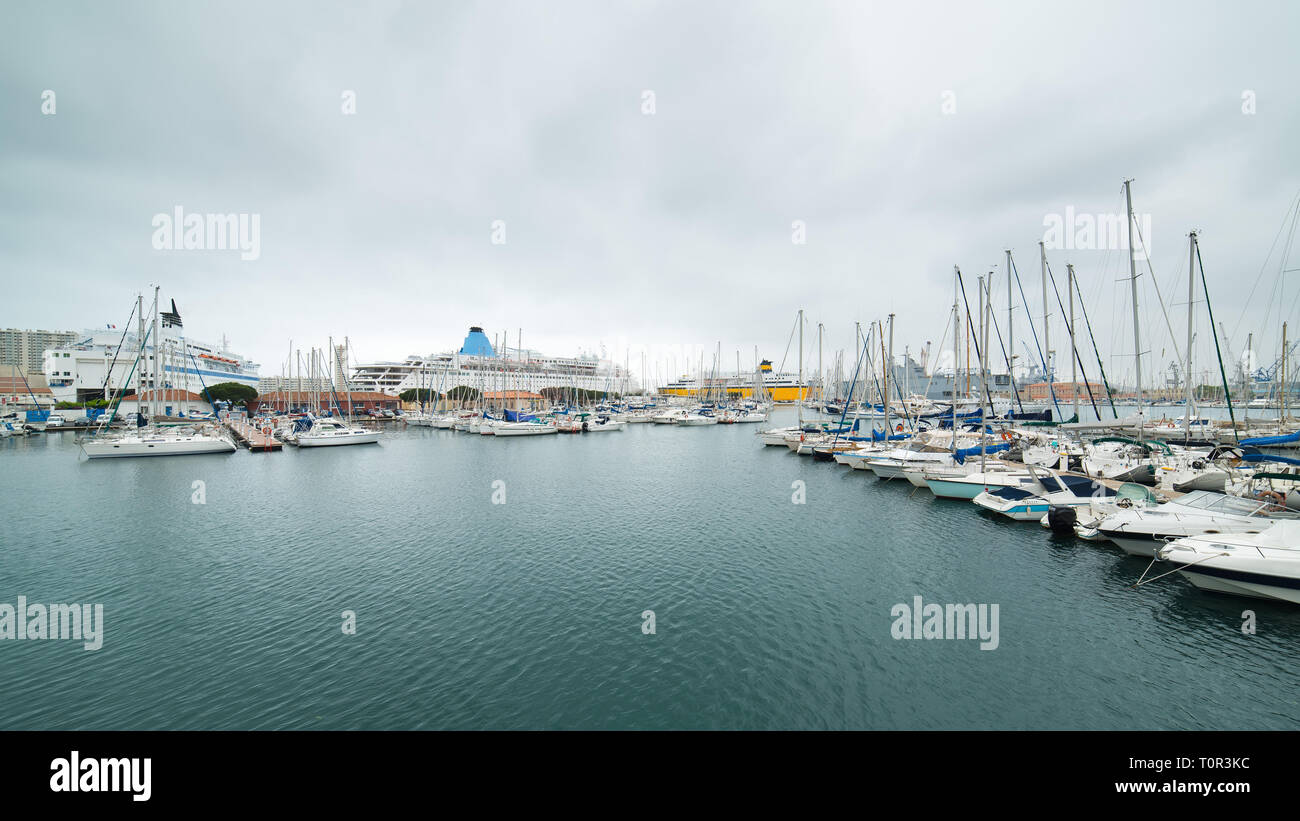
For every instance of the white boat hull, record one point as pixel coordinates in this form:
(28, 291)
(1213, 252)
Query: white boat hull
(526, 429)
(110, 448)
(334, 440)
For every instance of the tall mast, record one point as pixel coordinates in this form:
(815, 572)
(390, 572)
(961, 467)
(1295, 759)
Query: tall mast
(1133, 284)
(799, 387)
(889, 366)
(857, 352)
(1074, 357)
(1191, 295)
(1281, 417)
(1047, 341)
(821, 378)
(1011, 337)
(956, 341)
(157, 354)
(987, 320)
(984, 349)
(140, 375)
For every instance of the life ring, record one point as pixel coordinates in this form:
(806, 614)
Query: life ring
(1006, 436)
(266, 431)
(1270, 495)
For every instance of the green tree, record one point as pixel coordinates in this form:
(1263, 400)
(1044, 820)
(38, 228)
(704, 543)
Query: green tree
(232, 392)
(580, 395)
(419, 395)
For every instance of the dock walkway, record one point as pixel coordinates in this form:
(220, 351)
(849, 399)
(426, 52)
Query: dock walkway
(253, 438)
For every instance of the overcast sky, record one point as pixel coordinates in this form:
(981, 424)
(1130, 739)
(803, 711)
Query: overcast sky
(905, 138)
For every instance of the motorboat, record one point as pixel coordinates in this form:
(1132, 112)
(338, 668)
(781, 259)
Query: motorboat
(973, 484)
(1140, 530)
(603, 423)
(1026, 503)
(1262, 565)
(328, 432)
(696, 419)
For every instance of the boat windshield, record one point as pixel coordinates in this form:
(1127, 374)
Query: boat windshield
(1082, 486)
(1220, 503)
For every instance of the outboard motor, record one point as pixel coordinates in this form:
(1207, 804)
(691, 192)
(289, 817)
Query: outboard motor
(1061, 519)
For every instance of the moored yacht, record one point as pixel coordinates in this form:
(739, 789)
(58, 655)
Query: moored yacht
(328, 432)
(1261, 565)
(153, 442)
(1140, 530)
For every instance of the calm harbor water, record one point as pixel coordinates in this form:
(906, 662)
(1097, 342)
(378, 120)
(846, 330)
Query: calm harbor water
(527, 614)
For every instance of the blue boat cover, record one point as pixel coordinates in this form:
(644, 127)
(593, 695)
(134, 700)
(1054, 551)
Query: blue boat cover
(1273, 440)
(960, 456)
(1267, 457)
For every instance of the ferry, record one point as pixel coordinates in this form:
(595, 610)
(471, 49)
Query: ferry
(478, 365)
(101, 361)
(779, 387)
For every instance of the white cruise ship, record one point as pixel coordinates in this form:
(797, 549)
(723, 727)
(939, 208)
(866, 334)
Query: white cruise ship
(100, 362)
(479, 366)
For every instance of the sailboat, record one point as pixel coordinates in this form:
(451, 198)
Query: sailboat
(147, 442)
(148, 439)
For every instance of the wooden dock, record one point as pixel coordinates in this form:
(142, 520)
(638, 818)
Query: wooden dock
(252, 437)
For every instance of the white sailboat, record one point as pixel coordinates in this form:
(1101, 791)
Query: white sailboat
(146, 442)
(152, 440)
(533, 428)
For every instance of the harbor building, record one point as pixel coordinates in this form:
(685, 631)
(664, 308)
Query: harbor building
(1065, 391)
(26, 349)
(17, 390)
